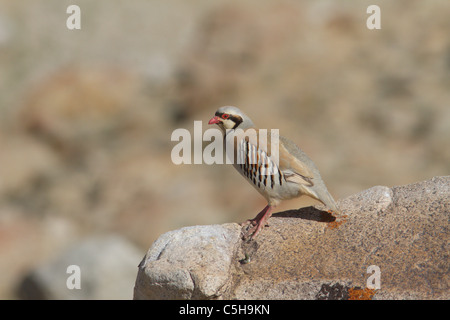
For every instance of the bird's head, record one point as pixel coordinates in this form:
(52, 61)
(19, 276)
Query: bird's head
(231, 118)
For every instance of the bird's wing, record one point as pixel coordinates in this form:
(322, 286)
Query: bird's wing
(296, 170)
(290, 159)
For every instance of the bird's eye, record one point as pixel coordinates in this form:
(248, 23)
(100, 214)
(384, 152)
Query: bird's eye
(225, 116)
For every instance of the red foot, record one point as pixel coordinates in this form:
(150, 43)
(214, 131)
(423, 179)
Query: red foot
(256, 223)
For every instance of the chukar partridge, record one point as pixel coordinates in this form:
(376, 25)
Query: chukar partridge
(291, 175)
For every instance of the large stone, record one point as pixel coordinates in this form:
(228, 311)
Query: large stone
(189, 263)
(308, 254)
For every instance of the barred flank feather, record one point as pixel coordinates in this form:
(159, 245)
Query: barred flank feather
(258, 167)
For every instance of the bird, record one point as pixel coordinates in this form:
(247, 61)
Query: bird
(288, 175)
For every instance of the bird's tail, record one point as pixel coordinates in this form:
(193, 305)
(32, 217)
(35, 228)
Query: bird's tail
(330, 203)
(327, 199)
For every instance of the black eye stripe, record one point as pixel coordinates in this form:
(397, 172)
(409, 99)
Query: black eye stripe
(221, 116)
(235, 118)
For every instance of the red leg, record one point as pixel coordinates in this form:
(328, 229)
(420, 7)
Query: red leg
(257, 223)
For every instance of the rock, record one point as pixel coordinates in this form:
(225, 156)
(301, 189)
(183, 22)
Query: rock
(106, 268)
(189, 263)
(309, 254)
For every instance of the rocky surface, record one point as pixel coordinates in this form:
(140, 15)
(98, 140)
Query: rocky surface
(189, 263)
(309, 254)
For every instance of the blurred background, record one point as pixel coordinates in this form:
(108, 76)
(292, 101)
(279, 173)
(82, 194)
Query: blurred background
(86, 117)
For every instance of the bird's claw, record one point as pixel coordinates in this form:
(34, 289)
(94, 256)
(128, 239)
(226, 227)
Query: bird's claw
(251, 228)
(253, 222)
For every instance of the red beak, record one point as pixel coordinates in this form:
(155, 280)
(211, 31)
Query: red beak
(214, 120)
